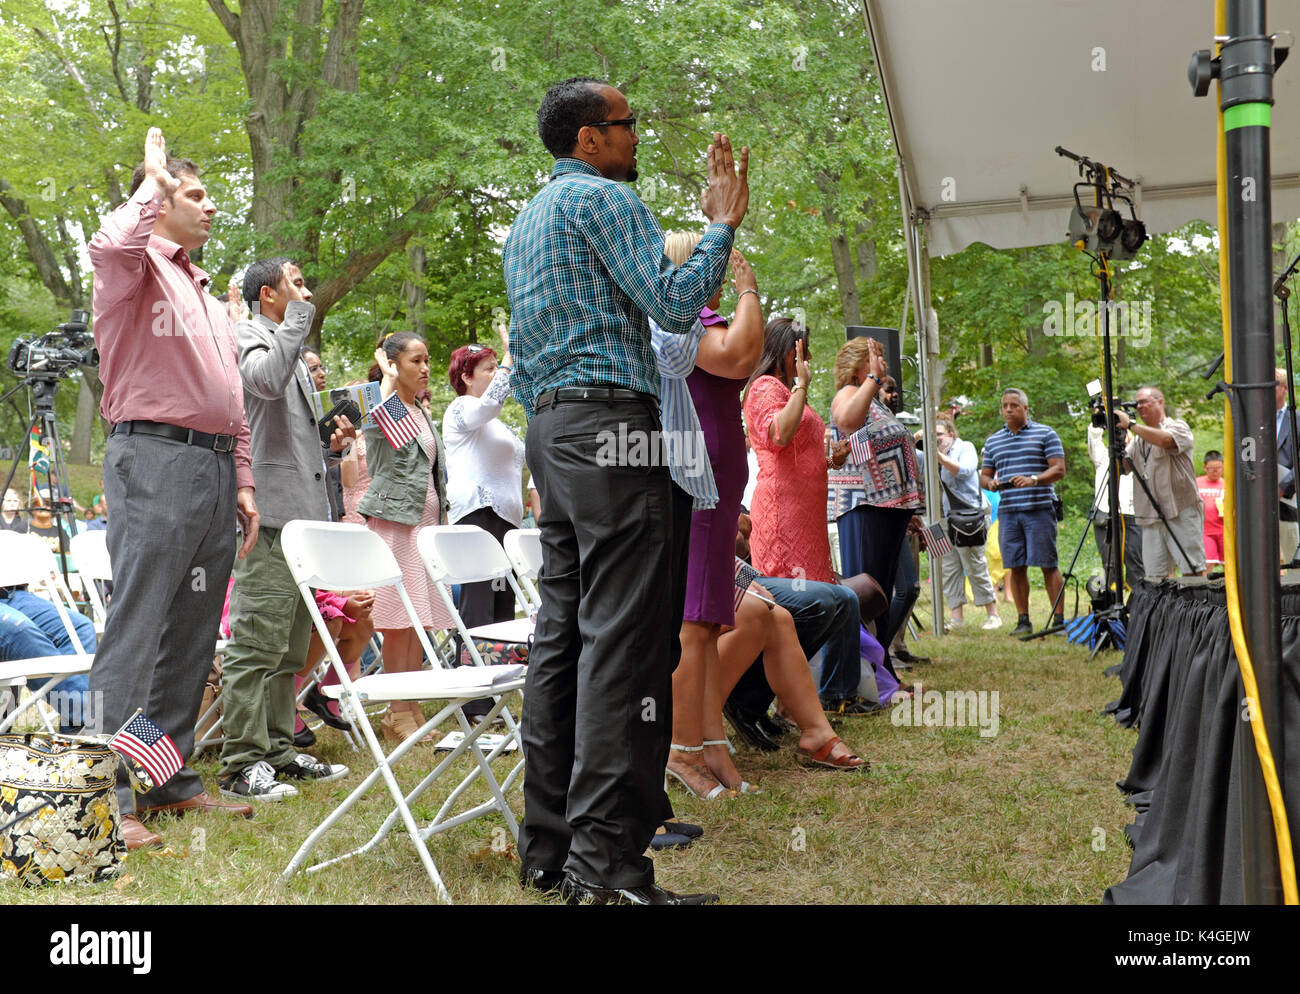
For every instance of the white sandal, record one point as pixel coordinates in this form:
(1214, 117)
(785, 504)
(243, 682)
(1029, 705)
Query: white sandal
(745, 786)
(719, 791)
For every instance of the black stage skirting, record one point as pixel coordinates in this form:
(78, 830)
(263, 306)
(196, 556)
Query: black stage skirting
(1182, 691)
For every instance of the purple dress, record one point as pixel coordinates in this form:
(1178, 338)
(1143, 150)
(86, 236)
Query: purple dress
(711, 573)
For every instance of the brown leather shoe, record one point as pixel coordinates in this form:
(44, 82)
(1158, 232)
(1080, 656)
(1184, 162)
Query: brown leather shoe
(199, 802)
(136, 836)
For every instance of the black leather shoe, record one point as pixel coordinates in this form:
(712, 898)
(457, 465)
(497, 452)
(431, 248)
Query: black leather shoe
(577, 891)
(545, 881)
(903, 655)
(778, 727)
(304, 739)
(318, 703)
(751, 729)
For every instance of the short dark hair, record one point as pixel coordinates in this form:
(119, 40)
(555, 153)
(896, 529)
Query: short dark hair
(463, 363)
(1212, 455)
(568, 106)
(263, 272)
(177, 167)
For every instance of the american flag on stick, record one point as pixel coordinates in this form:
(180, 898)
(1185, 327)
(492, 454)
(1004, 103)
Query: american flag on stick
(745, 575)
(860, 446)
(936, 542)
(143, 742)
(396, 422)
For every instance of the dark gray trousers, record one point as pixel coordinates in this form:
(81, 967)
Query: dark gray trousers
(597, 714)
(171, 538)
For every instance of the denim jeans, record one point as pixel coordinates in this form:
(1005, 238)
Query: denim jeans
(825, 614)
(30, 627)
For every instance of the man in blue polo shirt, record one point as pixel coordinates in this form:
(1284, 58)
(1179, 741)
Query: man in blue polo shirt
(1022, 461)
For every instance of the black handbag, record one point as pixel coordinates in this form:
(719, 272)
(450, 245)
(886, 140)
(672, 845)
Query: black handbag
(967, 526)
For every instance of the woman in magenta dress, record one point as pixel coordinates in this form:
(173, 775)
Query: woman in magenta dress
(727, 355)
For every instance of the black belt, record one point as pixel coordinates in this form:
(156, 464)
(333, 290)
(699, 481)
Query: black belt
(593, 393)
(217, 443)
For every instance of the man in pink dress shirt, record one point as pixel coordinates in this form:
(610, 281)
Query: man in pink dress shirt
(177, 470)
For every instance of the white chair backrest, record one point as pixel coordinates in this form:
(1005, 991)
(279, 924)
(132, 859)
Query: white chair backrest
(90, 553)
(462, 554)
(338, 556)
(24, 559)
(524, 547)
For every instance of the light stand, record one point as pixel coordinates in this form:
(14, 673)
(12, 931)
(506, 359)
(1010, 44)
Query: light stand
(1102, 233)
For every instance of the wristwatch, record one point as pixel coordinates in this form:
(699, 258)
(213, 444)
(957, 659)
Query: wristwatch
(1035, 479)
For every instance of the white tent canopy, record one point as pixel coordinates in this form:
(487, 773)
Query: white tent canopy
(979, 95)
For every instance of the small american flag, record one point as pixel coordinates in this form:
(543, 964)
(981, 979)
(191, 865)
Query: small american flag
(745, 575)
(937, 543)
(147, 744)
(395, 422)
(860, 446)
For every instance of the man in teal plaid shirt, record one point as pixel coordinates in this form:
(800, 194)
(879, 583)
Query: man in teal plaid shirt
(585, 271)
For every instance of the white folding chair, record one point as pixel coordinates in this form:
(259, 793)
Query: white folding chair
(25, 560)
(90, 553)
(461, 554)
(524, 549)
(340, 556)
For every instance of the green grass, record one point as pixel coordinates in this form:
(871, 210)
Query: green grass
(944, 816)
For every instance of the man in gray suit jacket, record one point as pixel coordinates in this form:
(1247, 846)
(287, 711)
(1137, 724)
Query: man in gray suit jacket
(269, 623)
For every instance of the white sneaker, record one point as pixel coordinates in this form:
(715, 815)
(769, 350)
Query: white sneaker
(993, 621)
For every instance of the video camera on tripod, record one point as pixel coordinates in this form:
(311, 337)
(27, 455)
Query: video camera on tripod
(56, 353)
(1097, 403)
(42, 362)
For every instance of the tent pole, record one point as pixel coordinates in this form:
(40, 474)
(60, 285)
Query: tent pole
(1246, 100)
(921, 305)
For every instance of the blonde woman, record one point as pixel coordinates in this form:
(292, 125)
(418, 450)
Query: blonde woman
(875, 501)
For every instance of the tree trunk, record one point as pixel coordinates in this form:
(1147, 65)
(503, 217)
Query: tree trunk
(84, 428)
(414, 290)
(841, 252)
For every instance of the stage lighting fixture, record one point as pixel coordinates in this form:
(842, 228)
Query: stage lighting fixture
(1083, 228)
(1109, 225)
(1133, 238)
(1100, 228)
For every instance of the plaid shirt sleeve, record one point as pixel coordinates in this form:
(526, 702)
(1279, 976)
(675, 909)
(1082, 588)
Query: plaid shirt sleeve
(628, 239)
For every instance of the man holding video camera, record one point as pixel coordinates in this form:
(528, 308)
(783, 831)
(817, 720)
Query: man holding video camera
(269, 623)
(1160, 455)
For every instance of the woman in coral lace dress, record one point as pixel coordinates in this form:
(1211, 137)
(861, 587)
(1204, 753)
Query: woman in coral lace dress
(789, 438)
(788, 511)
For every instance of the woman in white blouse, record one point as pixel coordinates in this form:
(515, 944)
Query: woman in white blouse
(485, 461)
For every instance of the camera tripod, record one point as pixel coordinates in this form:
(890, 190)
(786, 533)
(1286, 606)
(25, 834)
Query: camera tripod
(44, 387)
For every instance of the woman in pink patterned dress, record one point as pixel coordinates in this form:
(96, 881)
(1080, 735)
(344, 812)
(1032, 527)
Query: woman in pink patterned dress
(407, 492)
